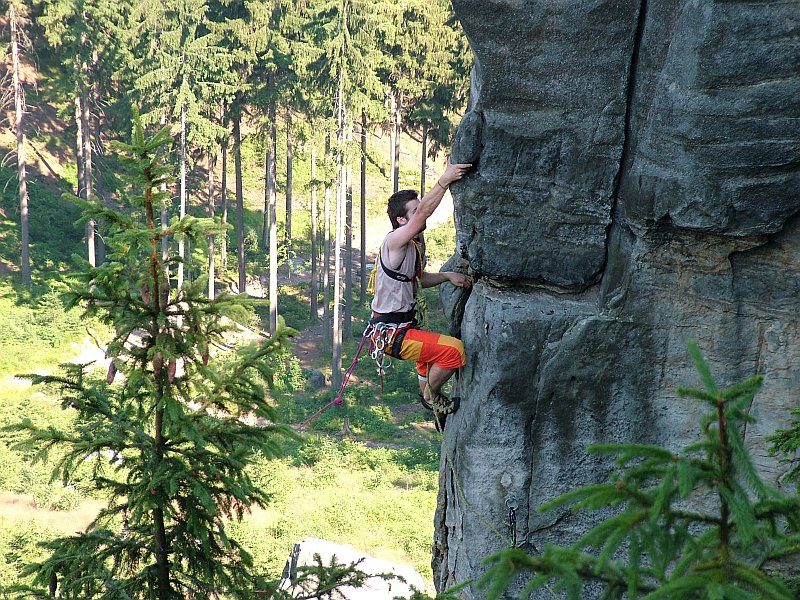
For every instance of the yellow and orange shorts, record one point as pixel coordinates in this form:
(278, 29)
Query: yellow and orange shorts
(426, 349)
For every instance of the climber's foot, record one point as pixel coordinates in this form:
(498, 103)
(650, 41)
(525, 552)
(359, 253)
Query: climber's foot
(425, 404)
(445, 406)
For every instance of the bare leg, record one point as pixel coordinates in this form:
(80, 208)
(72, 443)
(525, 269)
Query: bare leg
(437, 377)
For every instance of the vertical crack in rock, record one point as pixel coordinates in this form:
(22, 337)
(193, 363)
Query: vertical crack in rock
(627, 131)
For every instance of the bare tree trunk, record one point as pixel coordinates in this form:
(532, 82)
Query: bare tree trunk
(336, 360)
(289, 183)
(182, 207)
(397, 129)
(424, 159)
(393, 141)
(237, 159)
(223, 248)
(212, 210)
(273, 226)
(91, 226)
(314, 235)
(86, 150)
(363, 230)
(78, 100)
(19, 129)
(347, 328)
(99, 191)
(165, 218)
(267, 193)
(326, 259)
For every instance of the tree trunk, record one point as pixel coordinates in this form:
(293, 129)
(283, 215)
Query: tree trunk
(165, 218)
(267, 193)
(363, 230)
(91, 249)
(223, 247)
(19, 123)
(393, 142)
(314, 236)
(289, 184)
(159, 528)
(273, 226)
(237, 159)
(78, 100)
(347, 328)
(336, 360)
(212, 163)
(424, 159)
(397, 129)
(326, 259)
(86, 143)
(182, 208)
(99, 190)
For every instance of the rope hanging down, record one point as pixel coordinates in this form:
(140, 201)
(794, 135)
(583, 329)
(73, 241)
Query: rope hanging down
(381, 337)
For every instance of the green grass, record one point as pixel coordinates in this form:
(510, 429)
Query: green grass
(53, 237)
(36, 331)
(347, 493)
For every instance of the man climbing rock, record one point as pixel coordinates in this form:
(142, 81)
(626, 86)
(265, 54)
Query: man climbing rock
(400, 271)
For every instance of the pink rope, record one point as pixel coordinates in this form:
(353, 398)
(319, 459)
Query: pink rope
(338, 400)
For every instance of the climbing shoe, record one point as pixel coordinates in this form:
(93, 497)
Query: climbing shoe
(425, 404)
(445, 406)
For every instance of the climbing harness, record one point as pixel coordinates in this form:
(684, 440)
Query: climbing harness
(385, 340)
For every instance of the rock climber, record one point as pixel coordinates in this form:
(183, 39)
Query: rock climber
(398, 275)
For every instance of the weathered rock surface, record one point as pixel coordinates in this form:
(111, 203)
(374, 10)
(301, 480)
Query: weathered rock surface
(638, 185)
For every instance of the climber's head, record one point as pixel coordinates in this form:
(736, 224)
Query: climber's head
(402, 205)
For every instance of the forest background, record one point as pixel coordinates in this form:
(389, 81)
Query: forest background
(327, 106)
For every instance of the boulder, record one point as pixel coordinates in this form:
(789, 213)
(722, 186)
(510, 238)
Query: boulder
(310, 550)
(317, 379)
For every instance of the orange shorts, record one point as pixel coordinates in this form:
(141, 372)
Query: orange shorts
(428, 349)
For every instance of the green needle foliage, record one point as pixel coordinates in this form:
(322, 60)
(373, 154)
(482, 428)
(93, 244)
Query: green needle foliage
(166, 430)
(696, 524)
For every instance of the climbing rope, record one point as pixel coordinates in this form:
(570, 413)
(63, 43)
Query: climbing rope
(338, 399)
(381, 336)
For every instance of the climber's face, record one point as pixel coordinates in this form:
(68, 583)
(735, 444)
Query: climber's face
(412, 206)
(411, 209)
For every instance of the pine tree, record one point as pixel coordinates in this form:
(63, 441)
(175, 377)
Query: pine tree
(428, 74)
(165, 428)
(346, 34)
(694, 524)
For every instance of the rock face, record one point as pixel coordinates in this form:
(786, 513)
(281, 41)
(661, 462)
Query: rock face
(637, 185)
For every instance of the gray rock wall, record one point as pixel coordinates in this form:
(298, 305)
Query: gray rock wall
(638, 185)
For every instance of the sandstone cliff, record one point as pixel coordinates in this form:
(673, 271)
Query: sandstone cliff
(638, 184)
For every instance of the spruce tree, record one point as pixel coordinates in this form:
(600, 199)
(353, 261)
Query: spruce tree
(166, 429)
(694, 524)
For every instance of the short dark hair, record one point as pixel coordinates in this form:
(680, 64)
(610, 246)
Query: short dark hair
(397, 205)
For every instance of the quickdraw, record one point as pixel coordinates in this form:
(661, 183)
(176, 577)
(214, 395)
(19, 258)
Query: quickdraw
(383, 337)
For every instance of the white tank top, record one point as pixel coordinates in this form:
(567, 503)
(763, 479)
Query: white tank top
(392, 295)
